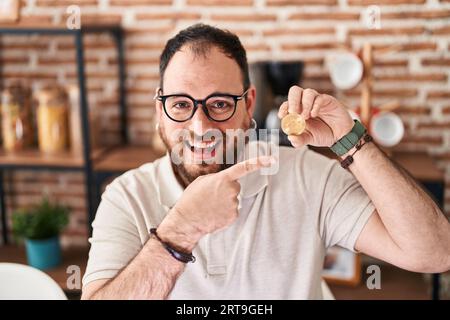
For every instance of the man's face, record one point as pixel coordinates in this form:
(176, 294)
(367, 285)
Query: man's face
(199, 76)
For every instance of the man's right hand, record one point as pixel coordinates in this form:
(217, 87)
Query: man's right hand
(208, 204)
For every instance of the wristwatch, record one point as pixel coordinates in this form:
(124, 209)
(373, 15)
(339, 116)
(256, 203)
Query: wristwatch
(347, 142)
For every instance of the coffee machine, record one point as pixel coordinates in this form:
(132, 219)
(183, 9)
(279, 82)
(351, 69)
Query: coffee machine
(273, 80)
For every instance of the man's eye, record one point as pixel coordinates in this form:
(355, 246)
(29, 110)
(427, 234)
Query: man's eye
(220, 105)
(181, 105)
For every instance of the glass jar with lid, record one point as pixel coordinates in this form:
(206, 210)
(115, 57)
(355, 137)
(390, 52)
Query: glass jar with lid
(53, 119)
(17, 117)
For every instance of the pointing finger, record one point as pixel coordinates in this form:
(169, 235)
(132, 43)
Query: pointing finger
(245, 167)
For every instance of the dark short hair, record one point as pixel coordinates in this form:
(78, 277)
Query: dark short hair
(201, 37)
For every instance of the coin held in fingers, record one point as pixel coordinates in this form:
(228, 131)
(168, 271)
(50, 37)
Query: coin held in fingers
(293, 124)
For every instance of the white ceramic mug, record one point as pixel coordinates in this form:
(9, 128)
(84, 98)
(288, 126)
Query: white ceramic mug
(387, 129)
(345, 68)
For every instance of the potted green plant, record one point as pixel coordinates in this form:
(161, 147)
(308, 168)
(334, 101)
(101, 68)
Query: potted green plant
(40, 226)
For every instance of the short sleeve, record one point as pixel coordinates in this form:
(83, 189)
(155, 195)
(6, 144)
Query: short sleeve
(115, 240)
(342, 204)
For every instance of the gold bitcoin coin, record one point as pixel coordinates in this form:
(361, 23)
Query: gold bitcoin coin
(293, 124)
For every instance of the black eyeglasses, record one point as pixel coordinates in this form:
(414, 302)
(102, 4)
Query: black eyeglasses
(218, 106)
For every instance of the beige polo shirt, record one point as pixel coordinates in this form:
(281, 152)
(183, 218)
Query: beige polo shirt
(274, 250)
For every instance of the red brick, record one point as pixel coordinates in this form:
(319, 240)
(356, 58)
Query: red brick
(257, 47)
(317, 77)
(14, 60)
(47, 177)
(438, 94)
(161, 31)
(98, 19)
(114, 120)
(141, 105)
(381, 63)
(26, 46)
(444, 156)
(446, 110)
(387, 31)
(299, 31)
(422, 14)
(95, 74)
(434, 125)
(221, 3)
(445, 30)
(443, 62)
(311, 46)
(135, 90)
(30, 75)
(65, 3)
(437, 141)
(168, 16)
(91, 85)
(139, 2)
(52, 193)
(300, 2)
(109, 101)
(90, 46)
(144, 77)
(437, 77)
(390, 93)
(63, 60)
(414, 46)
(25, 20)
(146, 46)
(383, 2)
(313, 61)
(242, 32)
(413, 111)
(244, 17)
(131, 61)
(325, 16)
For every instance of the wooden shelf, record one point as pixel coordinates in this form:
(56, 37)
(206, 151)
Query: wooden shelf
(71, 256)
(35, 158)
(419, 164)
(121, 159)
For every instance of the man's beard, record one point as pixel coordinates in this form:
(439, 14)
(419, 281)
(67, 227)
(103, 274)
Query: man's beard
(187, 173)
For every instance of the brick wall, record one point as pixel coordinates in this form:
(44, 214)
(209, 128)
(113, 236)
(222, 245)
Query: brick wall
(417, 74)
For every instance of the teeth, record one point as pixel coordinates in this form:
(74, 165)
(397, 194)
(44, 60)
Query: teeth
(202, 145)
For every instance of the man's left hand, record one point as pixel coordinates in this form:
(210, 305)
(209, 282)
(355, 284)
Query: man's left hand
(327, 120)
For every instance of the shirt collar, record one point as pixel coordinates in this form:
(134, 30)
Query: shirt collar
(170, 190)
(255, 182)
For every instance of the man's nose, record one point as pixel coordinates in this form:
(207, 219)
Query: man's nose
(200, 124)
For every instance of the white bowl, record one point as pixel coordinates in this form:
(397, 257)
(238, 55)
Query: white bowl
(387, 129)
(346, 70)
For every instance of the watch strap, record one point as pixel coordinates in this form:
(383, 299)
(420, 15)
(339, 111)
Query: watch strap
(347, 142)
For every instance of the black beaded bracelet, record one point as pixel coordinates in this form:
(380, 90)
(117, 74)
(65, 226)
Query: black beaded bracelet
(349, 159)
(180, 256)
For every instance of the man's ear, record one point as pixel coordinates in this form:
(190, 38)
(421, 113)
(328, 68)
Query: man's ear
(158, 104)
(250, 100)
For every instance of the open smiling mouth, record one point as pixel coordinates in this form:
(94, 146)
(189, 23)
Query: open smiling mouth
(201, 149)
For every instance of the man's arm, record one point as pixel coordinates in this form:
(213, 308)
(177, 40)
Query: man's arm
(407, 229)
(152, 273)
